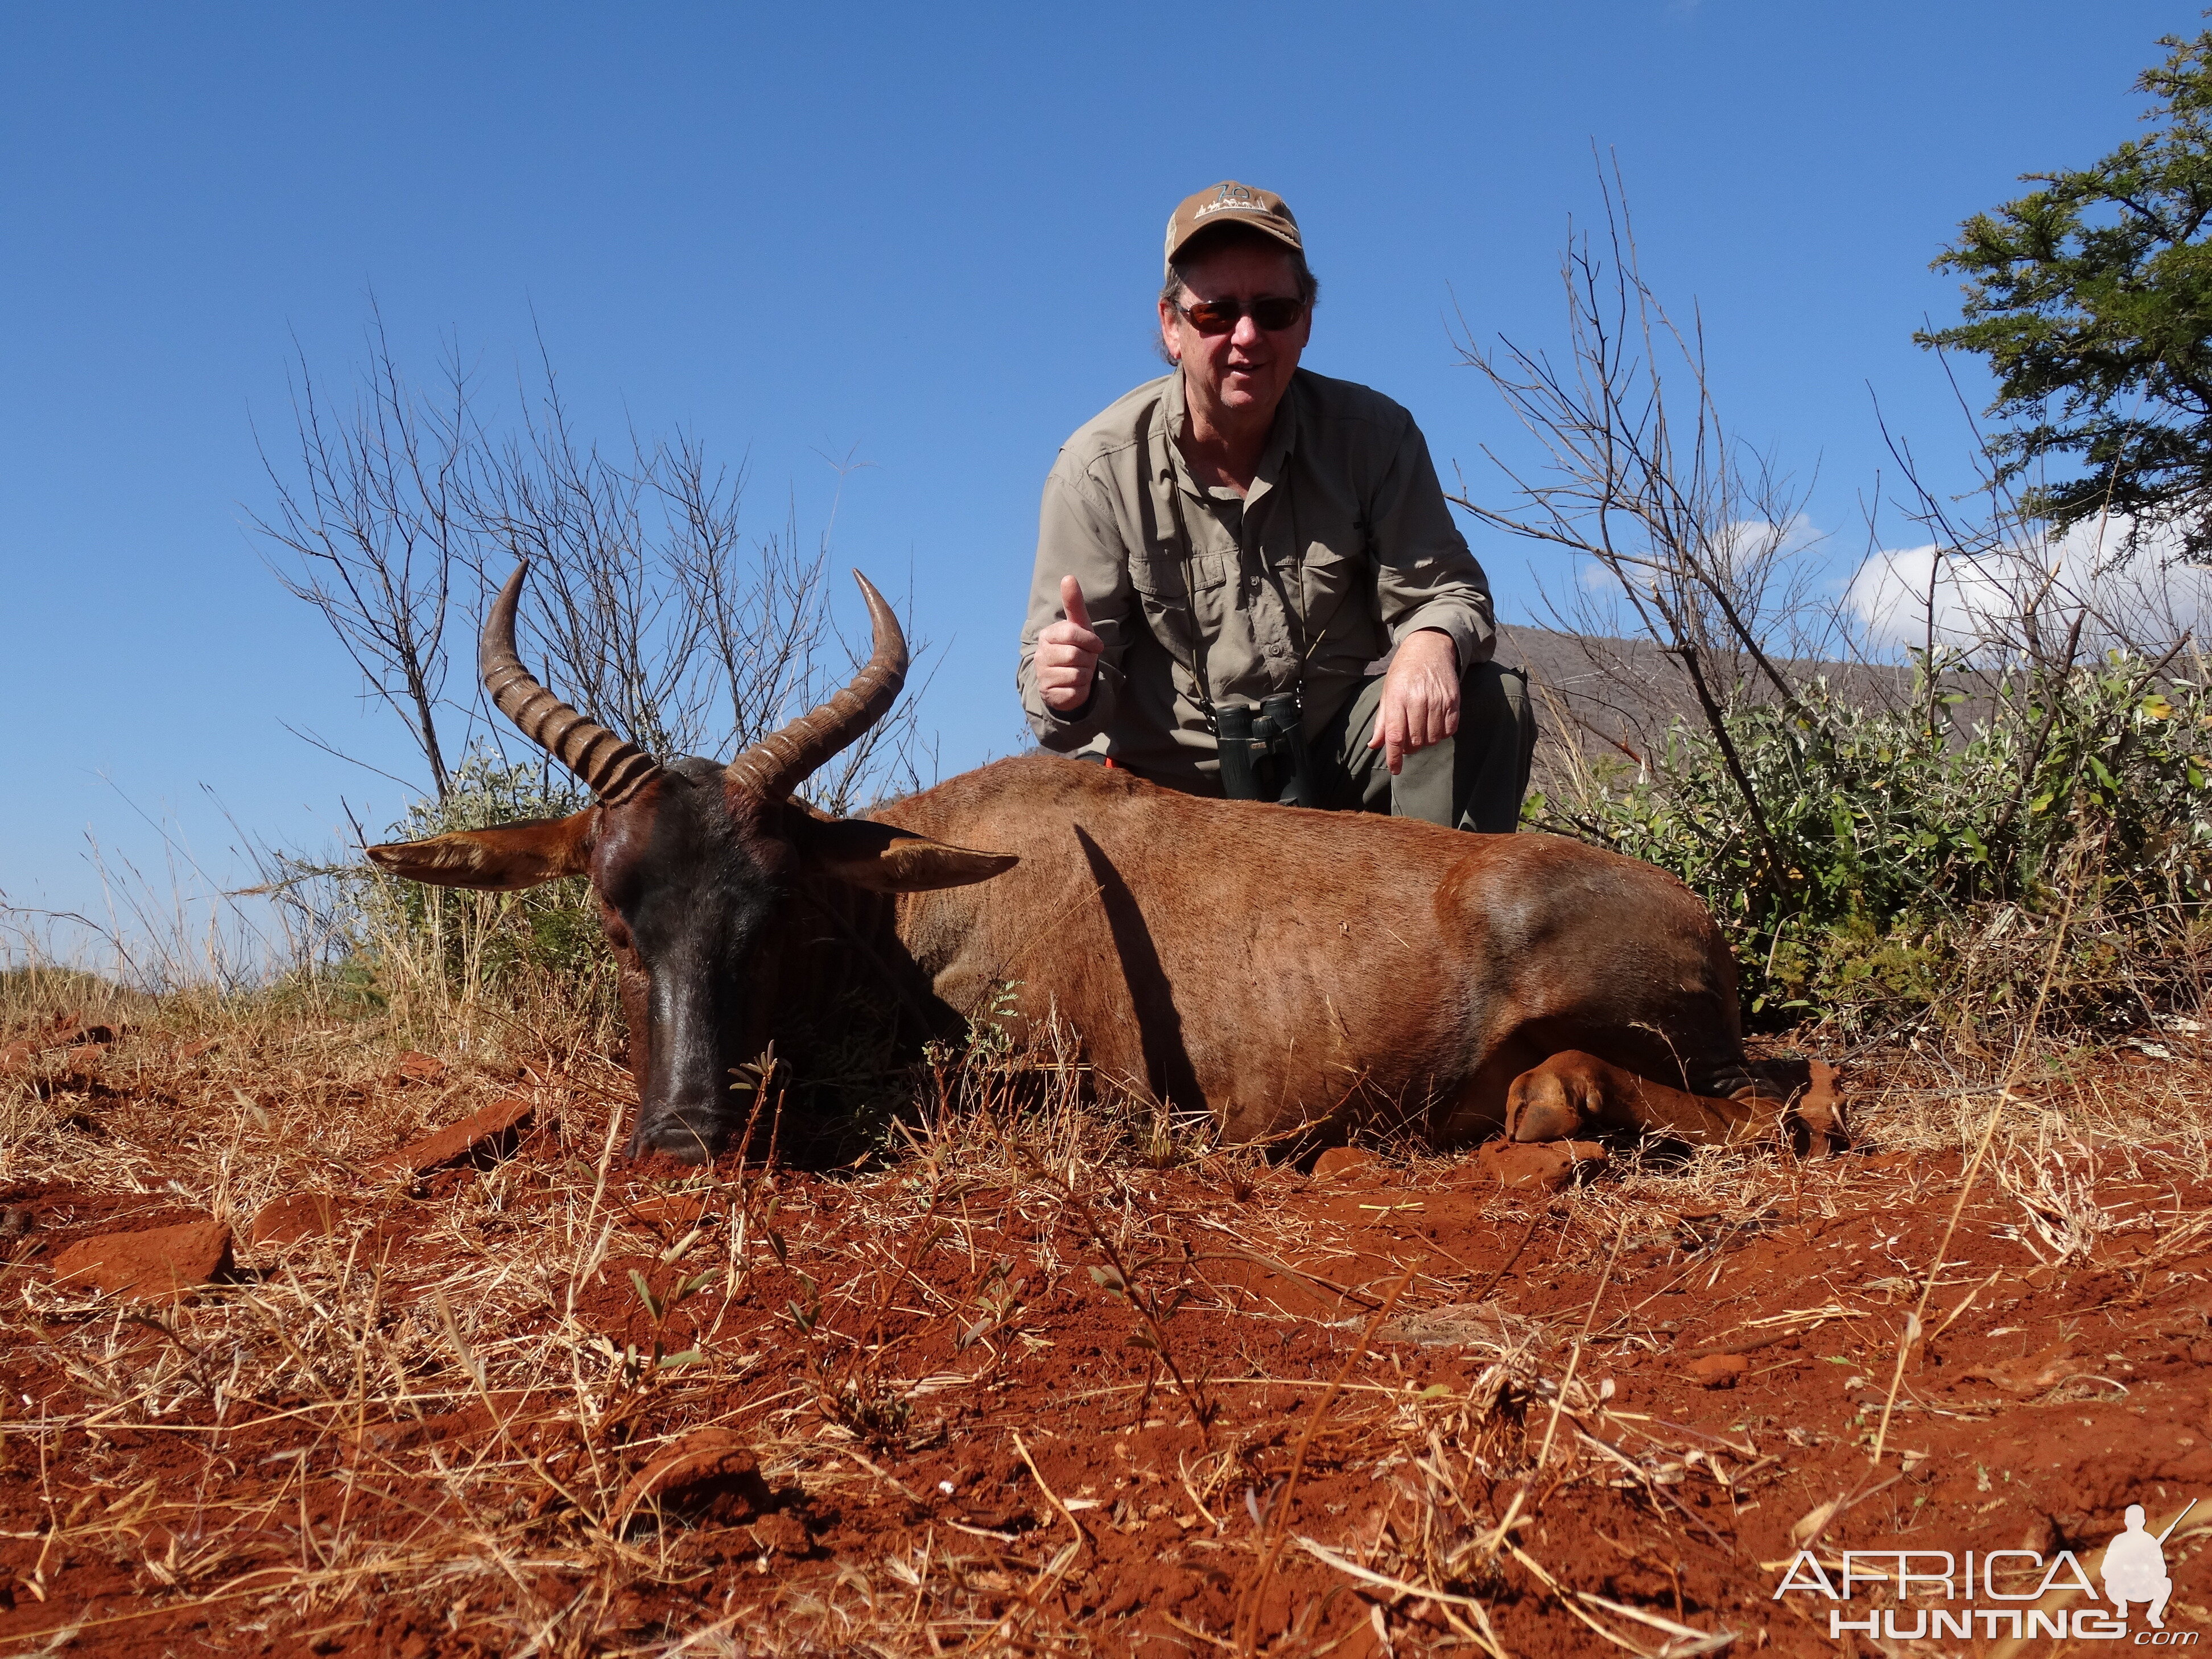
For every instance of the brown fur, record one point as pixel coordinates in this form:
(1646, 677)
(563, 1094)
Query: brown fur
(1284, 968)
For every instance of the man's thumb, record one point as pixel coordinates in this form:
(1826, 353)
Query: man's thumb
(1071, 601)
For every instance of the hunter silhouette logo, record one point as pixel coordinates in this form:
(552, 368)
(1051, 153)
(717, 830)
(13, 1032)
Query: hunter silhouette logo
(2063, 1602)
(2135, 1568)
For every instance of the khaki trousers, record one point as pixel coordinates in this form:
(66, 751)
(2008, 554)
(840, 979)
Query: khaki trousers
(1473, 780)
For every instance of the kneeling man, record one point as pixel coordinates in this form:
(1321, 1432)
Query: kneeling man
(2135, 1569)
(1225, 552)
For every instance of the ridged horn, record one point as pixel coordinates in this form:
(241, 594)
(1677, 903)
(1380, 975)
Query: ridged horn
(613, 770)
(778, 764)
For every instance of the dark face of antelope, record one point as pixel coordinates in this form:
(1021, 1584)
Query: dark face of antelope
(690, 862)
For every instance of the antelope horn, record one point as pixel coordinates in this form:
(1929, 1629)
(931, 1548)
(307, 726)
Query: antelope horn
(614, 770)
(778, 764)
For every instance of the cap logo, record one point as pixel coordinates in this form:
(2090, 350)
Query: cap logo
(1230, 198)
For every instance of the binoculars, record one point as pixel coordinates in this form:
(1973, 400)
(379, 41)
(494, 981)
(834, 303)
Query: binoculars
(1263, 752)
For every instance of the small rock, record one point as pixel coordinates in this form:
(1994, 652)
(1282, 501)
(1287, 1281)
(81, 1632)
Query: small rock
(298, 1215)
(1340, 1162)
(70, 1029)
(160, 1264)
(418, 1068)
(707, 1470)
(1550, 1165)
(1718, 1371)
(782, 1534)
(16, 1221)
(17, 1055)
(490, 1133)
(197, 1046)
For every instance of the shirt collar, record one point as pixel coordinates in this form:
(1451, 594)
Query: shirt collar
(1282, 438)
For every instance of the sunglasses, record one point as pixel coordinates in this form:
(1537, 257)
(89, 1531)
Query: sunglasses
(1220, 316)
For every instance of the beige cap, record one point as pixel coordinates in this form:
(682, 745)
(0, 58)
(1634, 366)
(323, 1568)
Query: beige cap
(1229, 203)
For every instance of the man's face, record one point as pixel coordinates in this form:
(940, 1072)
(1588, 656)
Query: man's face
(1245, 372)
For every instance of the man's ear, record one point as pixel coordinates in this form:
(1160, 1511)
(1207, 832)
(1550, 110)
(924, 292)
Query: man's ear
(513, 855)
(888, 860)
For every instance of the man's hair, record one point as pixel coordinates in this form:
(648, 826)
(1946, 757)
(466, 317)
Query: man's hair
(1212, 239)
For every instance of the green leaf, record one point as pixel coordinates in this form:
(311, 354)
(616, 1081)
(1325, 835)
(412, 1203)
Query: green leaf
(645, 1294)
(688, 1356)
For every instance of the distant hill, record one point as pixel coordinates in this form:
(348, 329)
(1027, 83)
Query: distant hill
(1621, 694)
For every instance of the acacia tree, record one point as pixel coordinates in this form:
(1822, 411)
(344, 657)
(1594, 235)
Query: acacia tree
(2092, 299)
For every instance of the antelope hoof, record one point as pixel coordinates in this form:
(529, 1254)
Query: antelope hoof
(1541, 1106)
(676, 1138)
(1815, 1123)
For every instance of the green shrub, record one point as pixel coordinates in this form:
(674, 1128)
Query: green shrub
(1900, 864)
(453, 945)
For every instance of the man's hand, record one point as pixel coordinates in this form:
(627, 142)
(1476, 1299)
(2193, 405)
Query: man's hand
(1067, 654)
(1420, 696)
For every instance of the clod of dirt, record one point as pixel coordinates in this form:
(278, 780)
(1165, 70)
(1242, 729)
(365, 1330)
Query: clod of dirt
(186, 1051)
(160, 1264)
(782, 1533)
(69, 1031)
(299, 1215)
(490, 1132)
(1718, 1371)
(1340, 1162)
(710, 1473)
(418, 1068)
(1550, 1165)
(66, 1030)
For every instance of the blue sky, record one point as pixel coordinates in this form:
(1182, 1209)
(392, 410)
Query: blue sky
(924, 237)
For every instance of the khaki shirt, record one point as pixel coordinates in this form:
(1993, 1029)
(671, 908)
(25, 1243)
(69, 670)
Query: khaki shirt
(1343, 545)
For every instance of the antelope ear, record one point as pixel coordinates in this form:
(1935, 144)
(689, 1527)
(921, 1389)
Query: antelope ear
(888, 860)
(511, 856)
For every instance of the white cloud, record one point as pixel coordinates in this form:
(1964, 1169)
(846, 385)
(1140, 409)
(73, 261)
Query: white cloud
(2145, 598)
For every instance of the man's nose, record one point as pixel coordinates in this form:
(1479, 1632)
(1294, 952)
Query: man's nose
(1246, 334)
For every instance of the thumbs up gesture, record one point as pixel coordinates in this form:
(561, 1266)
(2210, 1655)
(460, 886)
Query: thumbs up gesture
(1067, 652)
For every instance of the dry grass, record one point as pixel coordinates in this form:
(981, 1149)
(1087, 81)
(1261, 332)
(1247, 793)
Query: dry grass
(424, 1426)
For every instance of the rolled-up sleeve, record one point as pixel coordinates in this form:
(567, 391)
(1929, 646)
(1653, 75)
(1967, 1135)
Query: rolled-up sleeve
(1078, 537)
(1424, 575)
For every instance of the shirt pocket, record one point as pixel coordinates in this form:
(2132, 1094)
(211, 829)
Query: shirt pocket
(1172, 605)
(1334, 575)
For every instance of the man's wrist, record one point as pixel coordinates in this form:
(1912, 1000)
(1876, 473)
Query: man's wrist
(1081, 711)
(1450, 644)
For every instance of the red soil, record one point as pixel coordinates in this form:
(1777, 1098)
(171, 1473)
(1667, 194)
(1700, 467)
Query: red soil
(957, 1434)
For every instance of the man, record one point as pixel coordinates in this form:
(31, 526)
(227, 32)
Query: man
(2135, 1569)
(1241, 530)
